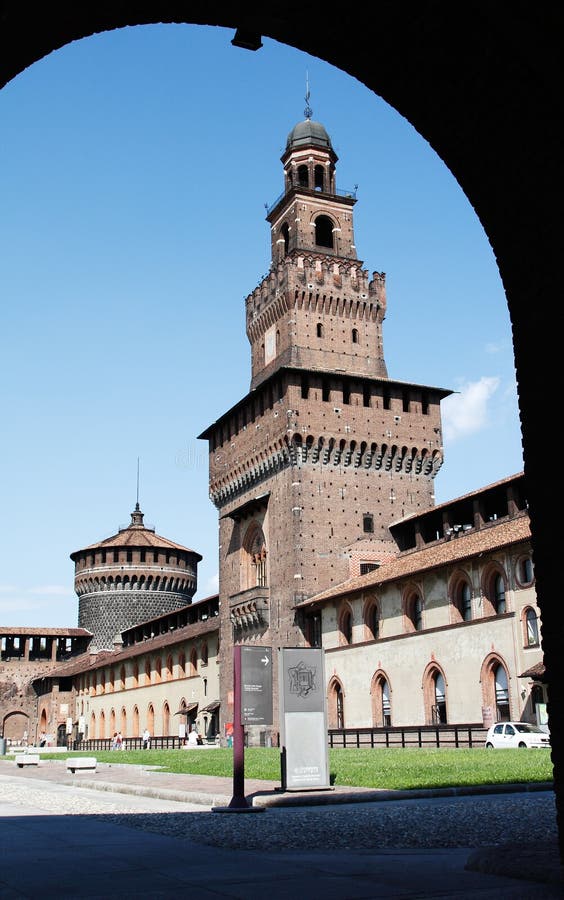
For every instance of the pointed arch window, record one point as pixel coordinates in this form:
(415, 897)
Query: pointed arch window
(324, 232)
(372, 621)
(345, 626)
(319, 178)
(319, 330)
(355, 336)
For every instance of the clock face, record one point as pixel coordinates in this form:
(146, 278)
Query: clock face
(269, 345)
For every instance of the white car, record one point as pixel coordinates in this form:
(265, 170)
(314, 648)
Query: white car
(516, 734)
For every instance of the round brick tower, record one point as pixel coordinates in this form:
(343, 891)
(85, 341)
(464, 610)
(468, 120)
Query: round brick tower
(130, 577)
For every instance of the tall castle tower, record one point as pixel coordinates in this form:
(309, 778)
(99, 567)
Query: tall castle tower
(309, 469)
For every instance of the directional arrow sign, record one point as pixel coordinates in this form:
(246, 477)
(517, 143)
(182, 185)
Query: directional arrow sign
(256, 685)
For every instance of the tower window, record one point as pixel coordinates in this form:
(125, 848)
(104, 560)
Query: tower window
(346, 393)
(355, 335)
(305, 387)
(285, 233)
(319, 178)
(366, 395)
(368, 523)
(303, 179)
(319, 329)
(324, 232)
(325, 391)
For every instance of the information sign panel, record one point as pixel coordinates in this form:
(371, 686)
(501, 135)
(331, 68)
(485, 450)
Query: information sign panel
(256, 685)
(303, 719)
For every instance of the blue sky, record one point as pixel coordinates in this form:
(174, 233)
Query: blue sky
(134, 171)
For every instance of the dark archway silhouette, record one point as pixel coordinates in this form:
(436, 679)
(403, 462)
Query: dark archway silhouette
(482, 83)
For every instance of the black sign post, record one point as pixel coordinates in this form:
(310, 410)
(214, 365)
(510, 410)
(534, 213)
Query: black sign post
(252, 698)
(256, 685)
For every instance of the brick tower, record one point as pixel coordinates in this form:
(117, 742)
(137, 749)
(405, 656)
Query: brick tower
(129, 578)
(309, 469)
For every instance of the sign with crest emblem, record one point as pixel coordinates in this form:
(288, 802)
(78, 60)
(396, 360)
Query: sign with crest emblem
(303, 719)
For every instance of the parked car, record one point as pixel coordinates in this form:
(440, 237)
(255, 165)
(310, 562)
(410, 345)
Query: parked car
(516, 734)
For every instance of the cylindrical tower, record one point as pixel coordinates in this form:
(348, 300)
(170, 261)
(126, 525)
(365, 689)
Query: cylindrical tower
(130, 577)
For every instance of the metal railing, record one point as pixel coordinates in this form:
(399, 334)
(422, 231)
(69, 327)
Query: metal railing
(466, 736)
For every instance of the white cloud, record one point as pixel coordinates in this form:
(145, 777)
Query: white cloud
(467, 412)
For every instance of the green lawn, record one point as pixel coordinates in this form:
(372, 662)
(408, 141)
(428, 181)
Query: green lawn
(396, 769)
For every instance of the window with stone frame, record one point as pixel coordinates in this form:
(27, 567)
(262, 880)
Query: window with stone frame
(530, 627)
(414, 611)
(462, 600)
(254, 558)
(346, 625)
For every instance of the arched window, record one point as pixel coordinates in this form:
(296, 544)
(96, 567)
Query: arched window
(501, 693)
(324, 232)
(524, 571)
(123, 722)
(381, 701)
(254, 568)
(135, 678)
(204, 654)
(166, 719)
(345, 626)
(135, 722)
(112, 721)
(151, 718)
(303, 176)
(530, 621)
(193, 663)
(319, 178)
(434, 695)
(414, 612)
(111, 682)
(319, 330)
(102, 725)
(181, 665)
(372, 621)
(336, 705)
(462, 601)
(355, 335)
(92, 729)
(495, 600)
(148, 670)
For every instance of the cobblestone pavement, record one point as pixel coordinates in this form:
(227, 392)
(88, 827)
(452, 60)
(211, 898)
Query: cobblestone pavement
(505, 823)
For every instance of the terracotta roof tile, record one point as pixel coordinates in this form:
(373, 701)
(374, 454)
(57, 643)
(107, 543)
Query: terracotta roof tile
(467, 544)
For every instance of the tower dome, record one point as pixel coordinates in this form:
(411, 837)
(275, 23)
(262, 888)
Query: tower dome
(130, 577)
(308, 134)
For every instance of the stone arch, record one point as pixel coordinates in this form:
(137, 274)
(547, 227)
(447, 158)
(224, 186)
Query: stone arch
(434, 687)
(506, 172)
(495, 681)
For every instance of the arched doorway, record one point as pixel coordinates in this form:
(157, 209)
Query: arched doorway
(507, 172)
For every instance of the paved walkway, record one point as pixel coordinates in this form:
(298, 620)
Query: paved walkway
(130, 830)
